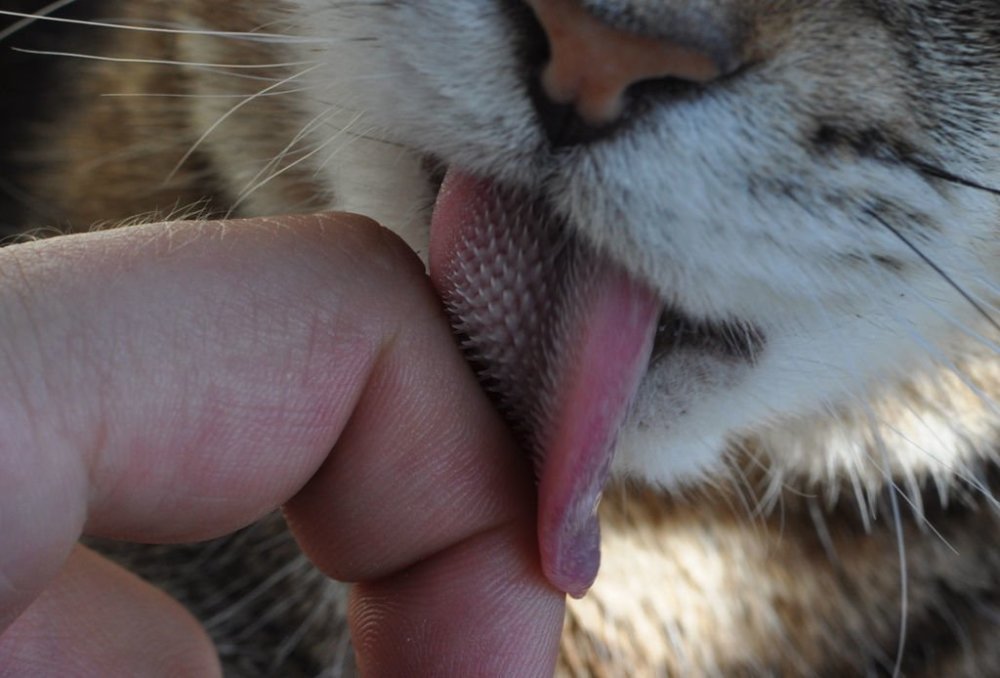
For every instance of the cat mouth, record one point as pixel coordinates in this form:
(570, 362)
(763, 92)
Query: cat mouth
(561, 335)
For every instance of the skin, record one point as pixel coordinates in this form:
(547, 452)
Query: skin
(177, 381)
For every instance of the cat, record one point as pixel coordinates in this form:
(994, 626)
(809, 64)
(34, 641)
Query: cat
(798, 197)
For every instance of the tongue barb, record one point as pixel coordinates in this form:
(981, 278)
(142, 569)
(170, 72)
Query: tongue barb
(560, 335)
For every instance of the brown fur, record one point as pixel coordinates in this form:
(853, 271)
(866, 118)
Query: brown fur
(716, 581)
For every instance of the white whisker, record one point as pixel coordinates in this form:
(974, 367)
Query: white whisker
(960, 325)
(893, 489)
(253, 187)
(743, 489)
(177, 95)
(231, 35)
(32, 18)
(225, 116)
(162, 62)
(818, 519)
(904, 594)
(352, 138)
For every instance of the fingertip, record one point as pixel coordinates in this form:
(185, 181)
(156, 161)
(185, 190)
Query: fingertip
(481, 607)
(97, 619)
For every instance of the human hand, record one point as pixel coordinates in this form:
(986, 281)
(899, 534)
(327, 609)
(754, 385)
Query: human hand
(175, 382)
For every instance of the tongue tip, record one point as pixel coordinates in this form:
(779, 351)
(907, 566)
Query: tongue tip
(574, 560)
(614, 344)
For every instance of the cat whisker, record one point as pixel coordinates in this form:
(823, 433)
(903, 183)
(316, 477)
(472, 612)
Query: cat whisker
(164, 62)
(948, 471)
(993, 287)
(367, 136)
(962, 327)
(912, 498)
(177, 95)
(307, 128)
(742, 488)
(351, 138)
(818, 518)
(893, 491)
(944, 469)
(904, 594)
(28, 20)
(939, 173)
(940, 271)
(866, 508)
(255, 185)
(225, 116)
(236, 71)
(229, 35)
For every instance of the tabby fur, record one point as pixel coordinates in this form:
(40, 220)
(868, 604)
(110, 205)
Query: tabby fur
(846, 525)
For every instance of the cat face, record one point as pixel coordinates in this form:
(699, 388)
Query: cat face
(806, 219)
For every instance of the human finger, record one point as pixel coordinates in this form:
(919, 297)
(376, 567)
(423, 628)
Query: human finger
(96, 619)
(195, 351)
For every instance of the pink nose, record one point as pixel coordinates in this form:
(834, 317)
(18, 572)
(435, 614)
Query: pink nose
(592, 64)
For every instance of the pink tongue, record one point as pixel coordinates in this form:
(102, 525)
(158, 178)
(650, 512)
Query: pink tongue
(560, 335)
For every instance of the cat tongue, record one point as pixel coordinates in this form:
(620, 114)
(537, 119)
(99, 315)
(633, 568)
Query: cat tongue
(560, 335)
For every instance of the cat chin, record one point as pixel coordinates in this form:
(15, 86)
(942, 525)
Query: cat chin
(851, 402)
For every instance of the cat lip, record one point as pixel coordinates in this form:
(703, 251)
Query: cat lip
(436, 169)
(735, 340)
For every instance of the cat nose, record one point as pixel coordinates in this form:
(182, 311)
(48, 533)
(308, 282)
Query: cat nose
(593, 63)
